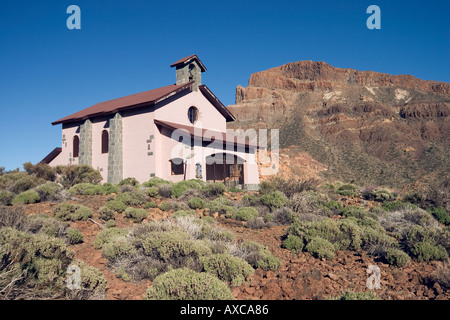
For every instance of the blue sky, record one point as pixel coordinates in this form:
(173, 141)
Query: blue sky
(48, 71)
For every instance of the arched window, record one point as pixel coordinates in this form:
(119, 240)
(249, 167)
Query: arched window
(76, 146)
(193, 114)
(198, 170)
(105, 141)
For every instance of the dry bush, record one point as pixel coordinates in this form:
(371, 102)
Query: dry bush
(402, 220)
(191, 225)
(13, 217)
(259, 223)
(69, 176)
(438, 194)
(442, 275)
(40, 170)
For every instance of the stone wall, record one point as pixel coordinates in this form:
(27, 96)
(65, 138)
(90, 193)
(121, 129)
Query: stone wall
(115, 155)
(85, 151)
(183, 74)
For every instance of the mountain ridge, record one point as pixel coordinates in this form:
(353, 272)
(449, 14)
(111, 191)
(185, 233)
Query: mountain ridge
(364, 126)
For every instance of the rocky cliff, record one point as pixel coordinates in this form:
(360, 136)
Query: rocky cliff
(369, 127)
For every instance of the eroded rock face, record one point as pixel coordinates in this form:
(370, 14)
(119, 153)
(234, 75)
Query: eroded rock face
(361, 125)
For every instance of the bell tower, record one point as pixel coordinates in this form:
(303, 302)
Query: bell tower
(189, 69)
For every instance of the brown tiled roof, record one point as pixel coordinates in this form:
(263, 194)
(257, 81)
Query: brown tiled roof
(187, 59)
(52, 155)
(150, 97)
(193, 132)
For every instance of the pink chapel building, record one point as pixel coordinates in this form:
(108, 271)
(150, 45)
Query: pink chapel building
(177, 132)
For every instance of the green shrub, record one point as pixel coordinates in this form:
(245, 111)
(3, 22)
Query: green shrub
(116, 205)
(150, 204)
(184, 213)
(293, 243)
(429, 250)
(6, 197)
(320, 248)
(274, 199)
(26, 197)
(42, 223)
(361, 216)
(347, 190)
(106, 213)
(111, 223)
(333, 205)
(38, 260)
(155, 182)
(235, 189)
(172, 205)
(108, 235)
(214, 189)
(74, 174)
(186, 284)
(152, 191)
(222, 206)
(378, 194)
(208, 219)
(228, 268)
(417, 198)
(93, 283)
(441, 215)
(343, 234)
(397, 205)
(250, 200)
(21, 182)
(164, 206)
(109, 188)
(74, 236)
(117, 247)
(266, 187)
(196, 203)
(129, 181)
(175, 248)
(397, 257)
(221, 235)
(137, 215)
(421, 243)
(122, 274)
(132, 198)
(87, 189)
(268, 262)
(48, 191)
(246, 213)
(181, 187)
(259, 256)
(81, 213)
(376, 242)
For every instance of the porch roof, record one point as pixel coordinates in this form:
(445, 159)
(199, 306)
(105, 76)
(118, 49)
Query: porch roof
(208, 133)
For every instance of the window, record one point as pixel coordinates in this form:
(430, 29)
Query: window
(193, 114)
(191, 74)
(198, 170)
(177, 166)
(76, 146)
(105, 141)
